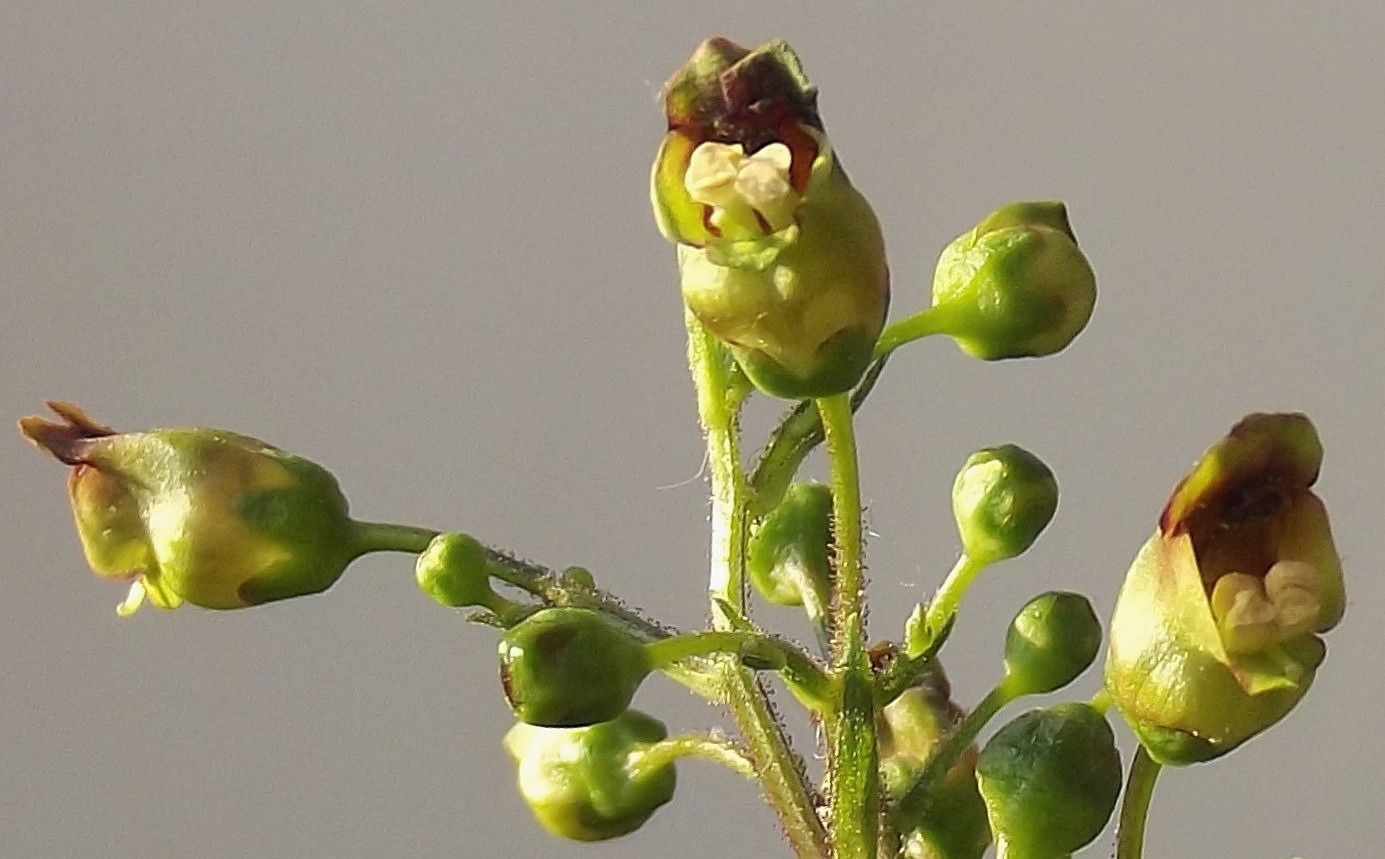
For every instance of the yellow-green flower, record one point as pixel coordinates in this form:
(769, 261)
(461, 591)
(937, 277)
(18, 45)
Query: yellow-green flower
(780, 257)
(198, 515)
(1215, 633)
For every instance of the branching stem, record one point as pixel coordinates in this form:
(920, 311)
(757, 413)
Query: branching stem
(719, 394)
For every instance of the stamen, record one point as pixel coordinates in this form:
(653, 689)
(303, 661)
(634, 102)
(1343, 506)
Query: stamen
(1247, 620)
(1293, 587)
(750, 196)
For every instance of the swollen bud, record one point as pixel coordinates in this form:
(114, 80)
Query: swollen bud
(780, 257)
(588, 784)
(568, 667)
(453, 571)
(199, 515)
(1002, 498)
(1050, 779)
(910, 728)
(1014, 286)
(1052, 640)
(788, 554)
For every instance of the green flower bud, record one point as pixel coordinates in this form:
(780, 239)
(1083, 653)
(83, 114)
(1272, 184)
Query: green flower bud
(780, 257)
(453, 571)
(568, 667)
(954, 824)
(1052, 640)
(1214, 635)
(587, 784)
(788, 554)
(1014, 286)
(1002, 498)
(1050, 779)
(198, 515)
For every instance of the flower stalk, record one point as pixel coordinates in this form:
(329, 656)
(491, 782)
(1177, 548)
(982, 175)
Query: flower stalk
(782, 776)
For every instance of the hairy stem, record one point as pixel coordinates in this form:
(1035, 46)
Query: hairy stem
(719, 394)
(943, 607)
(542, 582)
(801, 429)
(852, 759)
(694, 745)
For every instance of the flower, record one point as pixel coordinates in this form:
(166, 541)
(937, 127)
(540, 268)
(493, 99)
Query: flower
(592, 783)
(780, 257)
(1215, 632)
(198, 515)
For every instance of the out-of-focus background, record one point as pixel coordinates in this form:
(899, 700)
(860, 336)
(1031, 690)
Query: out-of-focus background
(412, 241)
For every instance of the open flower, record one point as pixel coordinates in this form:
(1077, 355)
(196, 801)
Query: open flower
(198, 515)
(1215, 633)
(780, 257)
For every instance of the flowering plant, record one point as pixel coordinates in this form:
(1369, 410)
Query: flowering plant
(786, 287)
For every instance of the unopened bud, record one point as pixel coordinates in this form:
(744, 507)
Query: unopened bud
(569, 667)
(1014, 286)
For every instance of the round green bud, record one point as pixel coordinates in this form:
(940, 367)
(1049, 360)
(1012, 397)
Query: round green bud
(788, 553)
(1050, 779)
(1014, 286)
(453, 571)
(586, 784)
(578, 577)
(955, 826)
(568, 667)
(1002, 498)
(1052, 640)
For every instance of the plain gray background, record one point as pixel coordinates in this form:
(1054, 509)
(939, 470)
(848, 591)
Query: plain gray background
(412, 242)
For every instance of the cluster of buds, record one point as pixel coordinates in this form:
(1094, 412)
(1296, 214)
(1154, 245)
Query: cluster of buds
(1214, 638)
(781, 258)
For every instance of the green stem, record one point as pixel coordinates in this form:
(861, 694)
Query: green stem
(383, 537)
(943, 606)
(801, 429)
(797, 434)
(1139, 789)
(915, 801)
(781, 773)
(755, 650)
(703, 746)
(551, 587)
(1101, 701)
(852, 761)
(921, 324)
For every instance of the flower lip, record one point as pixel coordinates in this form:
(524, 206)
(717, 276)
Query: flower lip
(726, 91)
(1251, 473)
(66, 441)
(734, 96)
